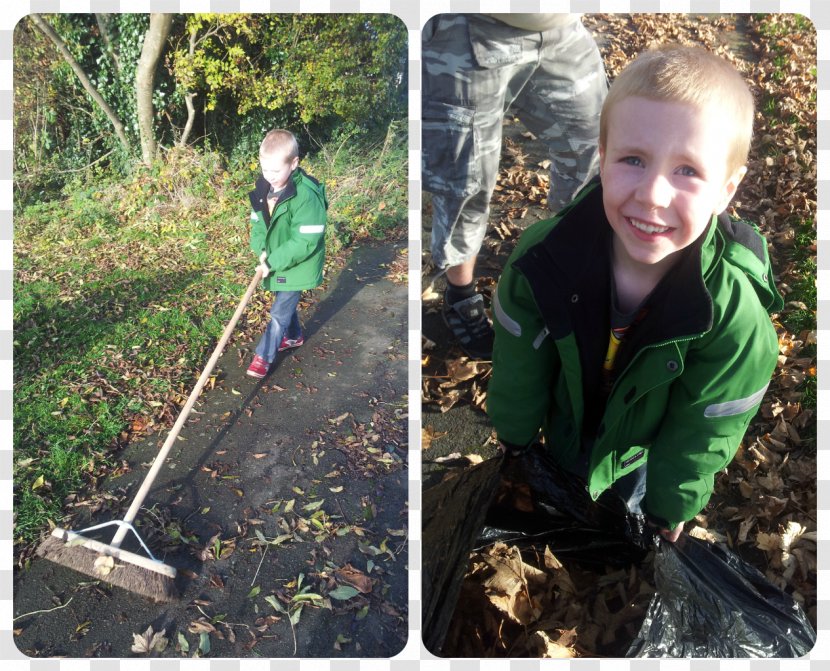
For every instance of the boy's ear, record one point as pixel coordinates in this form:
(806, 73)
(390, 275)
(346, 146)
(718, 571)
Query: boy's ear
(295, 162)
(729, 189)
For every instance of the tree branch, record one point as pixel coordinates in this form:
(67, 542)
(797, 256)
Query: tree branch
(47, 30)
(188, 98)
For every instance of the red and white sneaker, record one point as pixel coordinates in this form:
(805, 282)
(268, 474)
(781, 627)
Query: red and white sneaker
(258, 368)
(291, 343)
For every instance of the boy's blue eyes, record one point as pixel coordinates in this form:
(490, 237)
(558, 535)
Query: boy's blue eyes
(685, 171)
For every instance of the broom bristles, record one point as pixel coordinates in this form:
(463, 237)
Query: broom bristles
(136, 573)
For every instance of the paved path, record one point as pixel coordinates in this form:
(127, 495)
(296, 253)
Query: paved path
(257, 457)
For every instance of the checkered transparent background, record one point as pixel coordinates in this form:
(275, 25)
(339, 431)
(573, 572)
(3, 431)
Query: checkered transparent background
(414, 14)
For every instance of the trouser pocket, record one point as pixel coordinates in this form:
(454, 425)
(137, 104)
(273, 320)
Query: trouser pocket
(449, 161)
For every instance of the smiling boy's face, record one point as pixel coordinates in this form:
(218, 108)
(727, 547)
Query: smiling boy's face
(277, 168)
(664, 174)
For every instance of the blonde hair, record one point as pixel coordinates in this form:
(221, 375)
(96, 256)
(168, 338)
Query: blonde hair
(677, 73)
(279, 140)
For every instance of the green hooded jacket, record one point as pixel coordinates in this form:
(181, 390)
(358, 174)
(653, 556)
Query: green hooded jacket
(691, 375)
(294, 235)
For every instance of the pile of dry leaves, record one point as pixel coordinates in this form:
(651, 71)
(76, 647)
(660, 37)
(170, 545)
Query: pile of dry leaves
(515, 606)
(764, 505)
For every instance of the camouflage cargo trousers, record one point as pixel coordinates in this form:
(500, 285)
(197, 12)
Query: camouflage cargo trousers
(474, 69)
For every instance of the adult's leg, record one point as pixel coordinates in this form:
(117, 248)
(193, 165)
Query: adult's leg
(473, 67)
(462, 274)
(561, 105)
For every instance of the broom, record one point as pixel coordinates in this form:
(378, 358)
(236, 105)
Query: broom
(146, 576)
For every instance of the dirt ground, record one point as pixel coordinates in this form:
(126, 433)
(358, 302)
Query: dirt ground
(283, 508)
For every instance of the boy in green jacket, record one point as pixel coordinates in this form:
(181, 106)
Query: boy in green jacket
(633, 328)
(288, 225)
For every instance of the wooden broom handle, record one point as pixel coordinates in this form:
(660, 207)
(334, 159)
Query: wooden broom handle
(185, 412)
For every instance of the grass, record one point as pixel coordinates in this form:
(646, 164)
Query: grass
(800, 316)
(804, 289)
(122, 287)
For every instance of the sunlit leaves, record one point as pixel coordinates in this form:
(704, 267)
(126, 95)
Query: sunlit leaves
(317, 66)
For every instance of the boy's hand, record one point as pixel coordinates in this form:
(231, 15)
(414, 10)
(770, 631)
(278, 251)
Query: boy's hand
(673, 535)
(263, 265)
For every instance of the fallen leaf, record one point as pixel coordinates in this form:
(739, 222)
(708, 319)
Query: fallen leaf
(428, 434)
(104, 565)
(339, 419)
(341, 639)
(343, 592)
(149, 642)
(354, 577)
(200, 626)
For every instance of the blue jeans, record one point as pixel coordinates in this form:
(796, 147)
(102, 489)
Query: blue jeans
(631, 487)
(284, 321)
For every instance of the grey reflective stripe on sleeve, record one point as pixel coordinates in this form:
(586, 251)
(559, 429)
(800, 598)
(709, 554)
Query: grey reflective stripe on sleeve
(253, 215)
(510, 325)
(317, 228)
(540, 338)
(736, 407)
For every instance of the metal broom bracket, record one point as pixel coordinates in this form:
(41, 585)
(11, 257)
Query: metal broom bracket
(129, 527)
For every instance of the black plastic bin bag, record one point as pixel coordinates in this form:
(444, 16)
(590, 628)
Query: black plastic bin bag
(708, 602)
(711, 603)
(453, 513)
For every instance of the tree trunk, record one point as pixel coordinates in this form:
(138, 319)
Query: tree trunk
(47, 30)
(145, 73)
(188, 97)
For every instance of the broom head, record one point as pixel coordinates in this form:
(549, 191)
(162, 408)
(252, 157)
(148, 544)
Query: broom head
(136, 573)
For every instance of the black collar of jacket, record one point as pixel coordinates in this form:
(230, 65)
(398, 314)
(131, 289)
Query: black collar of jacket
(569, 274)
(259, 196)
